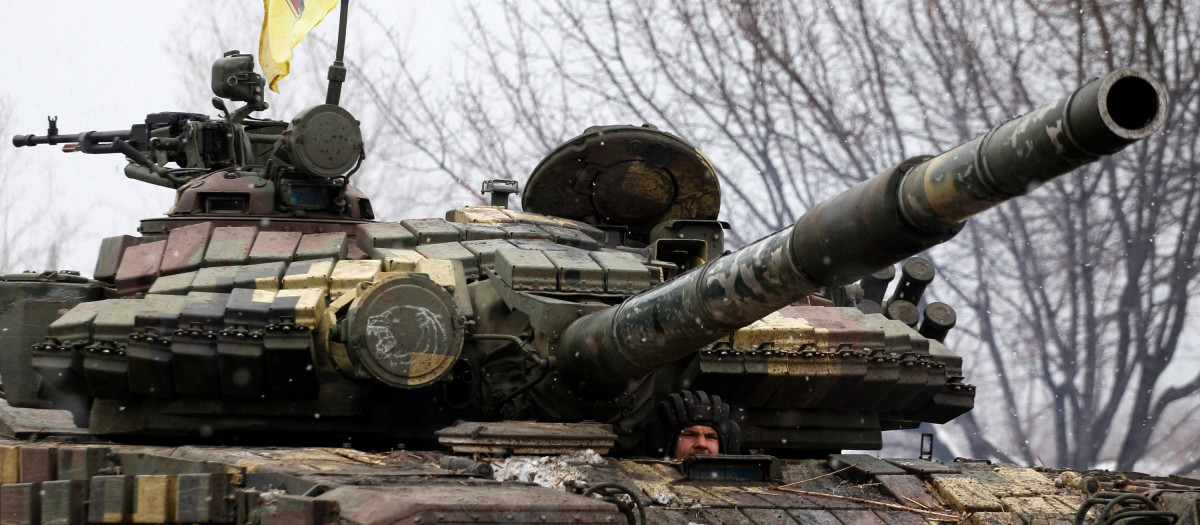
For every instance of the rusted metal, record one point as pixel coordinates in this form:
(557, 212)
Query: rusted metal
(527, 437)
(312, 485)
(1118, 507)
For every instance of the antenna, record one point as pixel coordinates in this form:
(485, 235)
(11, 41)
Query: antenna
(337, 71)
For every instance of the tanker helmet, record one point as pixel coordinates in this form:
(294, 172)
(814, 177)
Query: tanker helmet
(688, 408)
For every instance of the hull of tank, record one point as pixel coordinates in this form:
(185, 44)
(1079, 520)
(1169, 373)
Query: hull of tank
(69, 478)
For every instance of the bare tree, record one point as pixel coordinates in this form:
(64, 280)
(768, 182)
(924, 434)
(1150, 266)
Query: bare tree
(1073, 303)
(1081, 294)
(30, 238)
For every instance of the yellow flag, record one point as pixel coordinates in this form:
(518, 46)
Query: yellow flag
(287, 23)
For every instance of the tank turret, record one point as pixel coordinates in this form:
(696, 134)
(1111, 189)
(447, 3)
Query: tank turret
(270, 301)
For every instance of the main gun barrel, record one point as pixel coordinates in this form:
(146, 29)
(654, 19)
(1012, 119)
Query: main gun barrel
(881, 221)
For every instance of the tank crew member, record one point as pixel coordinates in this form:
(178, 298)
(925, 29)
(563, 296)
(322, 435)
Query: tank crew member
(696, 423)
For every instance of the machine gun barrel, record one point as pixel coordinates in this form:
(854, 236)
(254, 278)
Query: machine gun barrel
(898, 213)
(88, 141)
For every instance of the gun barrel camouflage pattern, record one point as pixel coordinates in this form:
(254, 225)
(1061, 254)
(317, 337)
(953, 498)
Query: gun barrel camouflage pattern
(893, 215)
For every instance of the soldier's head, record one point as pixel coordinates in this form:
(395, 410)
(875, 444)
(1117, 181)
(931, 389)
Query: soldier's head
(696, 423)
(696, 439)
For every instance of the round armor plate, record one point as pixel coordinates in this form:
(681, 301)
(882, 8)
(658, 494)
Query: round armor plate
(633, 193)
(404, 330)
(325, 141)
(627, 176)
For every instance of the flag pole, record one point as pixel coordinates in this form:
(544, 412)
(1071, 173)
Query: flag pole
(337, 71)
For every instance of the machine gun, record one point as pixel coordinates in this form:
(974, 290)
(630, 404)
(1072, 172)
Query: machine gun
(198, 145)
(190, 140)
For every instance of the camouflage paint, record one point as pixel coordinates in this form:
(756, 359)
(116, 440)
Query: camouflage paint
(230, 245)
(139, 267)
(321, 246)
(872, 225)
(215, 279)
(1026, 152)
(432, 231)
(111, 251)
(263, 276)
(405, 330)
(185, 248)
(385, 235)
(272, 246)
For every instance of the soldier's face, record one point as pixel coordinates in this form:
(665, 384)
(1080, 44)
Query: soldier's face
(697, 439)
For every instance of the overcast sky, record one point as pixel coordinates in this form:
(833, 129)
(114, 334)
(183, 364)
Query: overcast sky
(105, 66)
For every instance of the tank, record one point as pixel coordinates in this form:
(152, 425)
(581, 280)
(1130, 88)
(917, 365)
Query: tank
(268, 352)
